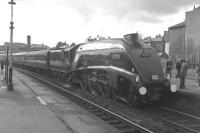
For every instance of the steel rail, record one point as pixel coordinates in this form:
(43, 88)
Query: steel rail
(175, 122)
(180, 112)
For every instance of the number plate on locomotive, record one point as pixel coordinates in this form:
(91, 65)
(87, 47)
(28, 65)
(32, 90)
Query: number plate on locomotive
(154, 77)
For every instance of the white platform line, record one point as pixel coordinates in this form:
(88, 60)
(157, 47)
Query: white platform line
(41, 100)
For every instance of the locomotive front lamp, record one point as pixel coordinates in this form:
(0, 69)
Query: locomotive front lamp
(173, 88)
(143, 90)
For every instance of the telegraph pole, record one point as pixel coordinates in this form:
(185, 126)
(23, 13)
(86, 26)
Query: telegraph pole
(10, 85)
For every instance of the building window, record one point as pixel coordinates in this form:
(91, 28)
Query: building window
(158, 47)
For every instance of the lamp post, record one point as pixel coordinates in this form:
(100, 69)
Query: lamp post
(10, 85)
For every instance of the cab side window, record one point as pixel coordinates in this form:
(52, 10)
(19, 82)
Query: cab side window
(121, 60)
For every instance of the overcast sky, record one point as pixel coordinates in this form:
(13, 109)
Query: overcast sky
(51, 21)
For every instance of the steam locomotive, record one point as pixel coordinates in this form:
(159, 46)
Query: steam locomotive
(118, 68)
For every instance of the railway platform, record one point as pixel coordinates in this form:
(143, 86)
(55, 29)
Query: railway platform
(33, 108)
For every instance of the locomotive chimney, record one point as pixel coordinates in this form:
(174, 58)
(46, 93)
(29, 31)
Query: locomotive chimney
(132, 39)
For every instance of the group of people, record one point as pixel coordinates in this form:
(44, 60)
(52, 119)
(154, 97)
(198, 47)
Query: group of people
(181, 67)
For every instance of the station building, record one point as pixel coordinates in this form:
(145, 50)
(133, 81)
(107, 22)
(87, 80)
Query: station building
(177, 41)
(192, 34)
(184, 38)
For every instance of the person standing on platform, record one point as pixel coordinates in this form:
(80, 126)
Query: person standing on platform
(198, 72)
(183, 73)
(178, 68)
(169, 67)
(2, 66)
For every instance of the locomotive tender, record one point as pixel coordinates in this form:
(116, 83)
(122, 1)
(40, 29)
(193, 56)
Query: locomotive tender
(116, 68)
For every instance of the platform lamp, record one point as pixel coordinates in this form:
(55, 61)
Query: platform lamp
(10, 85)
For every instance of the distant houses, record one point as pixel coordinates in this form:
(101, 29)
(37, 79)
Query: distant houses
(22, 47)
(158, 43)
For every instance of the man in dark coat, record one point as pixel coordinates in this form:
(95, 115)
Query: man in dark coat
(183, 73)
(169, 67)
(178, 68)
(198, 72)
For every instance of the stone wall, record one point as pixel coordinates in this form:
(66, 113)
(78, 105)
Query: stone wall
(177, 42)
(192, 32)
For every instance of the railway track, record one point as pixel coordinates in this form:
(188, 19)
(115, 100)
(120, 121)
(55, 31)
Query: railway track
(183, 120)
(123, 124)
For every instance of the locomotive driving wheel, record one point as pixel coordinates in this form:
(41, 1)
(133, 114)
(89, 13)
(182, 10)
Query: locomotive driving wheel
(104, 89)
(92, 83)
(68, 78)
(103, 84)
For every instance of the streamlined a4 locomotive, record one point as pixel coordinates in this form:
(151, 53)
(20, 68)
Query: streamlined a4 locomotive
(116, 68)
